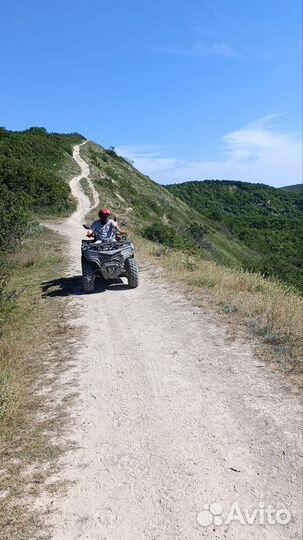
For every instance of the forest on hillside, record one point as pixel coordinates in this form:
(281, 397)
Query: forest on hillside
(267, 220)
(295, 187)
(30, 182)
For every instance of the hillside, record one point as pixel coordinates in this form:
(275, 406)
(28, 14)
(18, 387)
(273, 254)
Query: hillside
(267, 220)
(34, 167)
(156, 213)
(298, 188)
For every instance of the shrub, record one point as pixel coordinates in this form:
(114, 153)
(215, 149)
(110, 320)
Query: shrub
(166, 235)
(111, 151)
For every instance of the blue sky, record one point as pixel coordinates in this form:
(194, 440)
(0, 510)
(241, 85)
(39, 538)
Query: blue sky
(188, 89)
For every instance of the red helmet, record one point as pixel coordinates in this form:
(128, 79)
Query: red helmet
(104, 212)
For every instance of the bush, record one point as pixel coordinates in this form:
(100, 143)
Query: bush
(111, 151)
(166, 235)
(196, 231)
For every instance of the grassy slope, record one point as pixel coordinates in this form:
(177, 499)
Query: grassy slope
(31, 327)
(34, 166)
(31, 350)
(132, 195)
(271, 310)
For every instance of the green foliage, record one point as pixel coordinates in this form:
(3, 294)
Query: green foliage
(111, 151)
(197, 232)
(295, 187)
(267, 220)
(30, 162)
(166, 235)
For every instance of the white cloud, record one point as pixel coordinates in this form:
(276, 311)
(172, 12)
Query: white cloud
(256, 153)
(202, 49)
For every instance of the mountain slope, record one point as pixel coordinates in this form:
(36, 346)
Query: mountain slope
(298, 188)
(34, 167)
(130, 194)
(265, 219)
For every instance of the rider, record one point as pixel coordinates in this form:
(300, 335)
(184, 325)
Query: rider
(104, 228)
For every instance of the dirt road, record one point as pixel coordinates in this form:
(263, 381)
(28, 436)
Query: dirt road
(172, 417)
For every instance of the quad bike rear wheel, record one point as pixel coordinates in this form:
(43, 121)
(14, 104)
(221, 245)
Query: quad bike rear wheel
(132, 273)
(88, 275)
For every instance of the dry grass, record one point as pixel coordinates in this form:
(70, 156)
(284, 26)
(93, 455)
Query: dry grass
(87, 190)
(271, 311)
(31, 348)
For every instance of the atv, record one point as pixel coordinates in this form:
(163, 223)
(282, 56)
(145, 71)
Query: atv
(109, 259)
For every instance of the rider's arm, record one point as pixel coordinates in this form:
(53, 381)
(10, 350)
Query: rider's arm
(116, 229)
(91, 232)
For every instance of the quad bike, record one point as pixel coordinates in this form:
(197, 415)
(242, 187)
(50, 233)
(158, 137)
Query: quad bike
(109, 259)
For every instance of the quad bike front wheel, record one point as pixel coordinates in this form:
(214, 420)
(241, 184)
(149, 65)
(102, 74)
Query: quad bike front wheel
(132, 273)
(88, 275)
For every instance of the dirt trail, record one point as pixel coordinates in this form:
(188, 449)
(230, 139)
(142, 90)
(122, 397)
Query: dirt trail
(171, 417)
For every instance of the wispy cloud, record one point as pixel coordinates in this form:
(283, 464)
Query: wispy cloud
(258, 152)
(202, 49)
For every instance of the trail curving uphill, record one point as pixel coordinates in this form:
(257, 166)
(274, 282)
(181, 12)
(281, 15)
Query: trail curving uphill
(171, 417)
(72, 226)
